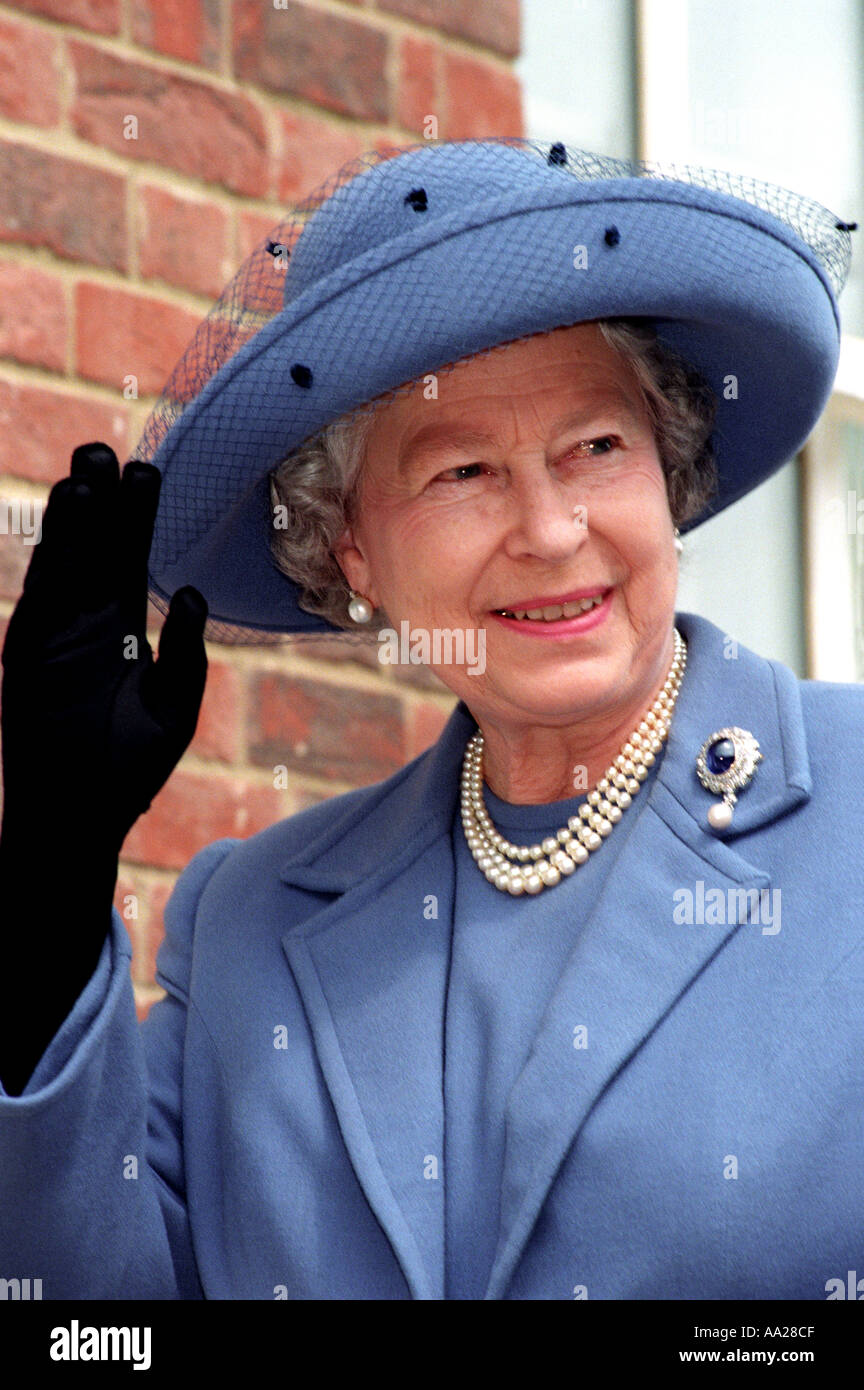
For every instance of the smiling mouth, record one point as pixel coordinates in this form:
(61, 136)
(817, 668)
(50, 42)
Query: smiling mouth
(554, 612)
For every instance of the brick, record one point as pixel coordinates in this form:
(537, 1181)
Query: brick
(337, 648)
(76, 211)
(492, 23)
(190, 126)
(215, 341)
(100, 16)
(423, 724)
(346, 735)
(144, 1001)
(312, 151)
(481, 99)
(193, 809)
(420, 676)
(14, 559)
(127, 885)
(218, 734)
(32, 316)
(187, 29)
(29, 74)
(387, 148)
(335, 61)
(340, 648)
(306, 796)
(118, 333)
(184, 241)
(418, 91)
(253, 227)
(40, 428)
(151, 932)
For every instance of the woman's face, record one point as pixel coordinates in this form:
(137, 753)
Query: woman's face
(534, 475)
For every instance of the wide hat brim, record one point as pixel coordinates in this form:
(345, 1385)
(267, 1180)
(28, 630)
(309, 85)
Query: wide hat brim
(730, 286)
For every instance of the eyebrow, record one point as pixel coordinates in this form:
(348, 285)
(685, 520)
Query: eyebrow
(434, 438)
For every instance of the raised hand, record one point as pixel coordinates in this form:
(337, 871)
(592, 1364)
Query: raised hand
(92, 725)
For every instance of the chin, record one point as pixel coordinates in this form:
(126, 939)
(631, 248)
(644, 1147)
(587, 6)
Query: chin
(552, 699)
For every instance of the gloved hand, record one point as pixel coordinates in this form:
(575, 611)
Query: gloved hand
(93, 726)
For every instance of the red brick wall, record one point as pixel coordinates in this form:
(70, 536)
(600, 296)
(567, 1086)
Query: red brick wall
(112, 251)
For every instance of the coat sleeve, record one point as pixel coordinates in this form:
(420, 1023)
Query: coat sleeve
(92, 1189)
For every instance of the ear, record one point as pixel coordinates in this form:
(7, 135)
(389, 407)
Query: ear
(354, 565)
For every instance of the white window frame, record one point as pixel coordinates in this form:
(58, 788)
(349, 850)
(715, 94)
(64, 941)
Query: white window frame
(830, 574)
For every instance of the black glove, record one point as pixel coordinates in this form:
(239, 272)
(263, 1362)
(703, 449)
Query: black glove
(92, 726)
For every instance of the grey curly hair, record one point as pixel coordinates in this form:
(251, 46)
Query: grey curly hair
(314, 490)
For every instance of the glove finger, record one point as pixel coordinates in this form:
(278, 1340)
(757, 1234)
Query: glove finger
(175, 683)
(57, 571)
(92, 465)
(138, 502)
(96, 465)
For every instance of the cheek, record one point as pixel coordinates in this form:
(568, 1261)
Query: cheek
(419, 540)
(638, 508)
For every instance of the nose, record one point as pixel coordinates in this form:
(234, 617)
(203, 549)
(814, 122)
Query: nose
(547, 519)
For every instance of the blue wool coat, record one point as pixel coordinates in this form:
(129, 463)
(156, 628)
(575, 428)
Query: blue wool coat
(275, 1127)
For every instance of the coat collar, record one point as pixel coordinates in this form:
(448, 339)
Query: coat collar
(391, 845)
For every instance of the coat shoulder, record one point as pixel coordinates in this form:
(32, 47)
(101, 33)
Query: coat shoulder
(834, 707)
(221, 879)
(296, 834)
(833, 716)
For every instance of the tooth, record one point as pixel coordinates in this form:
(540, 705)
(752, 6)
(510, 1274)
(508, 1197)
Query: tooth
(554, 611)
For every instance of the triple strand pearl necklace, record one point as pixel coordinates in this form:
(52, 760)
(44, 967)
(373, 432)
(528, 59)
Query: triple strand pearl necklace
(531, 868)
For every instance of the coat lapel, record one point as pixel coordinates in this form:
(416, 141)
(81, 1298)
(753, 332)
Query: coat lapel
(632, 961)
(372, 968)
(371, 965)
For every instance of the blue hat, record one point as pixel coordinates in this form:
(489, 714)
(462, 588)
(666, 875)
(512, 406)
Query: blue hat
(414, 257)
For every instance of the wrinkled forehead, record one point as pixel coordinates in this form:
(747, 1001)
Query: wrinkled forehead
(511, 368)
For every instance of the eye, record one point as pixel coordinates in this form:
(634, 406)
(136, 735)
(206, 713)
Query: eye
(602, 445)
(458, 474)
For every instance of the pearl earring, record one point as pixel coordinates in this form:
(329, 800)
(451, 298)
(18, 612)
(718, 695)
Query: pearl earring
(679, 544)
(359, 608)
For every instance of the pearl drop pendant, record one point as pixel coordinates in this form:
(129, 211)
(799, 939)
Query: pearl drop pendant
(725, 765)
(720, 815)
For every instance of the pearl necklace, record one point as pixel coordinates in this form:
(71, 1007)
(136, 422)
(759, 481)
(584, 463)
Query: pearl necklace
(558, 855)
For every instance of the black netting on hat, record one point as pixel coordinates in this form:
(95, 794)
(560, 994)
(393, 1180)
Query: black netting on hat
(274, 274)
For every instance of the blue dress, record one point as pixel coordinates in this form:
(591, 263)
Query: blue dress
(506, 955)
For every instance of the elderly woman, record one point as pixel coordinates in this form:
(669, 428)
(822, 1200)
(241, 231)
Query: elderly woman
(571, 1006)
